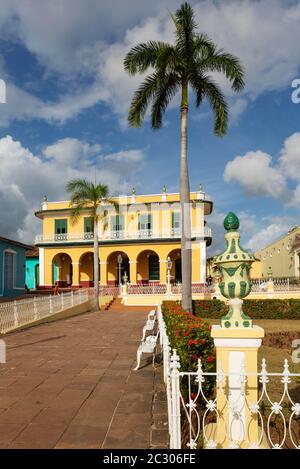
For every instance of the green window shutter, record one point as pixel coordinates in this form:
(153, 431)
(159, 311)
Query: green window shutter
(88, 225)
(145, 221)
(117, 222)
(153, 267)
(61, 226)
(175, 219)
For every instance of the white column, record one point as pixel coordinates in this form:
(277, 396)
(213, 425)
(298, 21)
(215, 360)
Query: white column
(202, 261)
(42, 266)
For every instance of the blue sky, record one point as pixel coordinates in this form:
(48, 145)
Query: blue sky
(67, 99)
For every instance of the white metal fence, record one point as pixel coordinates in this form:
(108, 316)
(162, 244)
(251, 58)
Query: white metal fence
(151, 289)
(20, 312)
(261, 285)
(192, 404)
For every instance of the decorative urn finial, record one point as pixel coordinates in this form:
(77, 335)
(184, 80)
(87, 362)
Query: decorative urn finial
(164, 189)
(234, 267)
(133, 191)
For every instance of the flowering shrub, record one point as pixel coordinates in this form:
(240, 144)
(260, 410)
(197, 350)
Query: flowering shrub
(256, 309)
(190, 336)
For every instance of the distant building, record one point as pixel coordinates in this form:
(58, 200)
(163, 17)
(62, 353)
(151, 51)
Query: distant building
(282, 257)
(32, 268)
(12, 267)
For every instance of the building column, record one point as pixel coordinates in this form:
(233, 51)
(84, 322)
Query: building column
(103, 273)
(202, 261)
(48, 276)
(75, 274)
(196, 266)
(133, 271)
(42, 267)
(163, 272)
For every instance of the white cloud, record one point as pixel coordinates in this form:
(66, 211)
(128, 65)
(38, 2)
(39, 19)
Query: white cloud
(255, 232)
(73, 41)
(25, 177)
(266, 235)
(254, 173)
(290, 157)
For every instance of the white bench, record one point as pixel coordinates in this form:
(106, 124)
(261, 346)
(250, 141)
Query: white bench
(146, 346)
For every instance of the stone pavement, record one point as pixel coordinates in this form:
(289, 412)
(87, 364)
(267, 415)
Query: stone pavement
(69, 384)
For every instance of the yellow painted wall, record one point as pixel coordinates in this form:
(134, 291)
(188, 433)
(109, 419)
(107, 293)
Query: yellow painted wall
(161, 223)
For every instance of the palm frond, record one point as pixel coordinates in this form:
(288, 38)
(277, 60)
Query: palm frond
(141, 100)
(185, 31)
(228, 64)
(143, 56)
(217, 101)
(163, 96)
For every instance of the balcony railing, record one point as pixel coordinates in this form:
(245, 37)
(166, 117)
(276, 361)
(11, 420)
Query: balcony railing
(114, 235)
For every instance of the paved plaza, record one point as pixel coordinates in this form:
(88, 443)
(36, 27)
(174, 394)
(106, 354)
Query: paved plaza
(70, 384)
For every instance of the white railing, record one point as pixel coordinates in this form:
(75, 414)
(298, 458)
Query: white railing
(120, 234)
(192, 404)
(108, 290)
(273, 285)
(176, 289)
(151, 289)
(18, 313)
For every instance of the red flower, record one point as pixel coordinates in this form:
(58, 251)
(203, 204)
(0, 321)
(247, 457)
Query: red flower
(211, 358)
(202, 341)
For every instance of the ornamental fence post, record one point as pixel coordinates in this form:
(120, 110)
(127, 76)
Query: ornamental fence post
(50, 304)
(72, 298)
(175, 440)
(62, 300)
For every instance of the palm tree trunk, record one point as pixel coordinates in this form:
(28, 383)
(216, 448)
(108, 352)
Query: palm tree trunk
(186, 255)
(96, 266)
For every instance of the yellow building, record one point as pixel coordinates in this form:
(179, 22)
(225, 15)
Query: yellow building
(282, 257)
(142, 236)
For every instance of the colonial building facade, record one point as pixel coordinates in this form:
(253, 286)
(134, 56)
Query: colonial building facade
(282, 257)
(138, 243)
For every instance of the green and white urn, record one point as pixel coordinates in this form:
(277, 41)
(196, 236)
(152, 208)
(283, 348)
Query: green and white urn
(234, 266)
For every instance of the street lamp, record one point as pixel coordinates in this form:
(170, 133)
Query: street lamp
(119, 261)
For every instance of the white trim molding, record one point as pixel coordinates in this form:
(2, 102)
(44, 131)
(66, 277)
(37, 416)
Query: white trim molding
(42, 266)
(237, 343)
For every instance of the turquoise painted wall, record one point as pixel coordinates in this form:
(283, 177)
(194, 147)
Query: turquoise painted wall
(31, 279)
(19, 286)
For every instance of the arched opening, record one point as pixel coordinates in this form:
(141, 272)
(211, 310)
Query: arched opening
(62, 270)
(147, 267)
(86, 269)
(118, 268)
(176, 273)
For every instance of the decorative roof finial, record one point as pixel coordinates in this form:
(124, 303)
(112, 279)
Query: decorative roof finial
(133, 191)
(45, 198)
(164, 189)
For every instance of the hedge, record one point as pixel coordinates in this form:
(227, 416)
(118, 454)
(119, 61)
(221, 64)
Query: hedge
(256, 309)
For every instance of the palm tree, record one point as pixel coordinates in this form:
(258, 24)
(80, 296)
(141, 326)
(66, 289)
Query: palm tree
(178, 67)
(87, 196)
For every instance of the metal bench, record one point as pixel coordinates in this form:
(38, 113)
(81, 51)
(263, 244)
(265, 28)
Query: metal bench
(147, 346)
